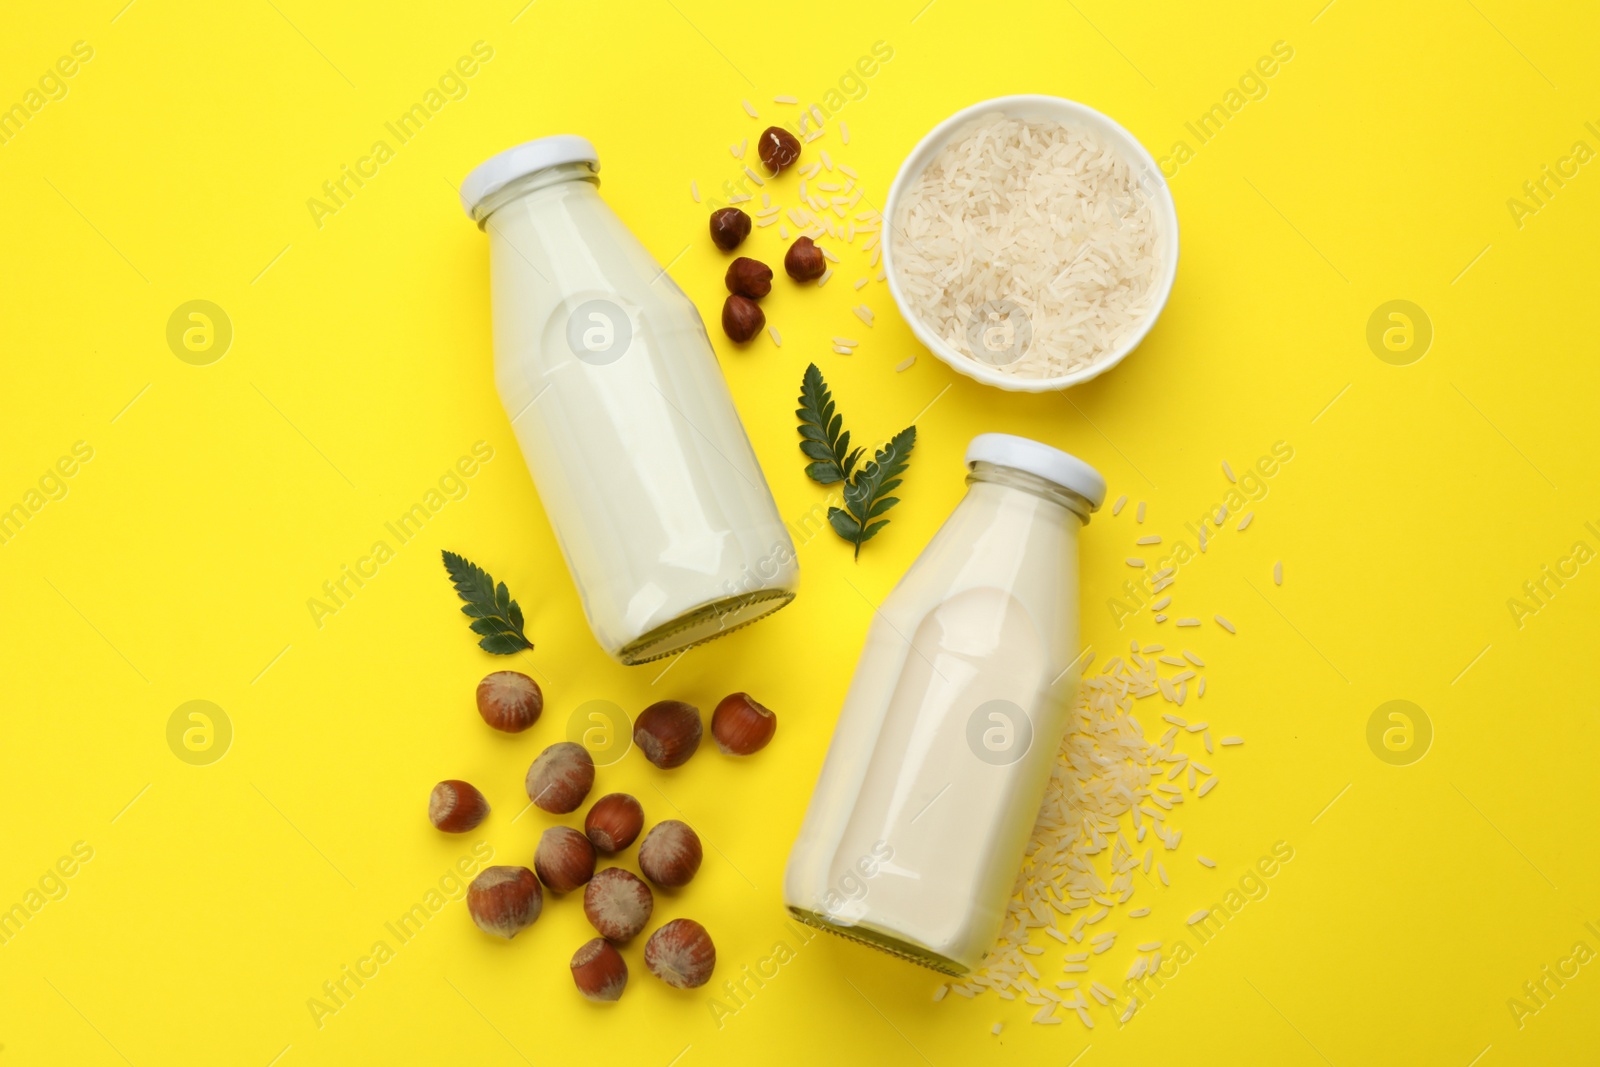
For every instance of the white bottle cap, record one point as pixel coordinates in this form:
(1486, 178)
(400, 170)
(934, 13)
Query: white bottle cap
(1051, 464)
(498, 171)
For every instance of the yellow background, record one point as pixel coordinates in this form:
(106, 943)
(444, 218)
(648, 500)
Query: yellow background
(219, 498)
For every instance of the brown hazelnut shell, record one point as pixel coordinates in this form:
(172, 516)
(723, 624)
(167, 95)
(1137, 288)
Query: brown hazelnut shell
(504, 901)
(670, 854)
(599, 971)
(614, 822)
(564, 860)
(668, 731)
(681, 954)
(561, 777)
(617, 904)
(741, 725)
(510, 701)
(455, 806)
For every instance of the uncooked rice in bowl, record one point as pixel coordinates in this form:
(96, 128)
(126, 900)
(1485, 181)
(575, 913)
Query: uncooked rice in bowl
(1029, 246)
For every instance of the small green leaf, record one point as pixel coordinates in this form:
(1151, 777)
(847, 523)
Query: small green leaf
(817, 450)
(504, 644)
(843, 524)
(866, 498)
(823, 438)
(496, 618)
(867, 486)
(824, 473)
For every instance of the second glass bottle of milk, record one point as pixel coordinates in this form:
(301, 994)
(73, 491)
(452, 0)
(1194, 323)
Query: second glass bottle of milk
(932, 783)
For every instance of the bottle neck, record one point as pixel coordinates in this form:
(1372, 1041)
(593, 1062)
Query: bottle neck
(1013, 478)
(532, 183)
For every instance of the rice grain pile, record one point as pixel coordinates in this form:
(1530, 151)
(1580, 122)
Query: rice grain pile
(1028, 246)
(1110, 781)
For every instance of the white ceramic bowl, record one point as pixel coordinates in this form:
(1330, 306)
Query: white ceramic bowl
(1038, 109)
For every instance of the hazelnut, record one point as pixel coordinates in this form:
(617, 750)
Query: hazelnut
(670, 854)
(564, 860)
(668, 731)
(455, 806)
(778, 148)
(614, 822)
(804, 261)
(598, 970)
(741, 726)
(742, 318)
(561, 777)
(748, 277)
(617, 904)
(510, 701)
(681, 954)
(729, 226)
(504, 901)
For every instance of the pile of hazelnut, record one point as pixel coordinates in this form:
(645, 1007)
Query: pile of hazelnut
(506, 900)
(748, 280)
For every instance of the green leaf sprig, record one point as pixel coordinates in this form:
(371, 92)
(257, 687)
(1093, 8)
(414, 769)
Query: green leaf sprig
(496, 618)
(820, 431)
(865, 498)
(826, 442)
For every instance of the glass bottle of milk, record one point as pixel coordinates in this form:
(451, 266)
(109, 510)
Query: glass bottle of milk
(938, 765)
(624, 419)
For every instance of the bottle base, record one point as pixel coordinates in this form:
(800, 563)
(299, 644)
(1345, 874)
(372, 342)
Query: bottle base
(883, 942)
(705, 623)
